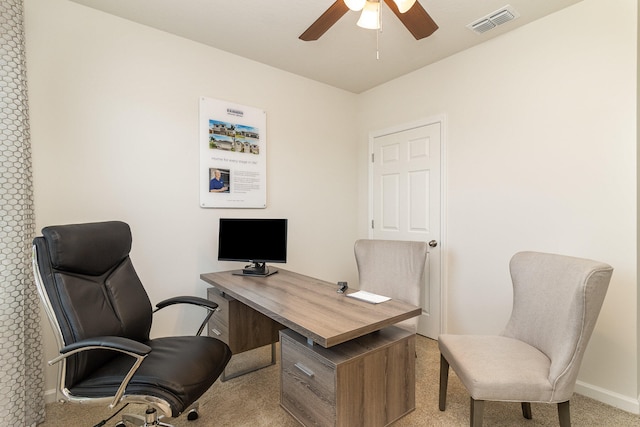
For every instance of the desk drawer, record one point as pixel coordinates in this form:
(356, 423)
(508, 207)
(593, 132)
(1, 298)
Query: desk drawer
(366, 382)
(308, 384)
(219, 322)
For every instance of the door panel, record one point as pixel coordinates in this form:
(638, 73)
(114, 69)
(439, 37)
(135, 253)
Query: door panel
(390, 202)
(419, 201)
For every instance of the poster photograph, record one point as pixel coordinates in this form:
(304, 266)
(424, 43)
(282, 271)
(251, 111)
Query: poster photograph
(233, 149)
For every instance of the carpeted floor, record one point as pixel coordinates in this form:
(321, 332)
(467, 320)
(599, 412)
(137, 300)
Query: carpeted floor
(253, 400)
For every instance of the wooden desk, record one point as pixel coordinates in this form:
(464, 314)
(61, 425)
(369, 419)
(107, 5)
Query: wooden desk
(356, 376)
(311, 307)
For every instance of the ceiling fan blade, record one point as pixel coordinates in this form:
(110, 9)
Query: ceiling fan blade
(416, 19)
(326, 20)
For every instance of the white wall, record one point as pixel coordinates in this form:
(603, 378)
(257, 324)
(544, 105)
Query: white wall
(114, 125)
(541, 155)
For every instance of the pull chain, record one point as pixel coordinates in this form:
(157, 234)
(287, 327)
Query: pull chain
(378, 33)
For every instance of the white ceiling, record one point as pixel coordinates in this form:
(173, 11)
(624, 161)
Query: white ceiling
(345, 56)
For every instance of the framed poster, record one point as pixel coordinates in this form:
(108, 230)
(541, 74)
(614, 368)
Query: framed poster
(233, 150)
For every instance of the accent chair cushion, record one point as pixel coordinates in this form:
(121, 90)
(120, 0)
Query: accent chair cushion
(492, 367)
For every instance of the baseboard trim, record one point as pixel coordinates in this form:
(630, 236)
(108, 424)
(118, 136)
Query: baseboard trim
(609, 397)
(50, 396)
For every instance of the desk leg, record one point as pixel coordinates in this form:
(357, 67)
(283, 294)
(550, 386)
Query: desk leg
(224, 377)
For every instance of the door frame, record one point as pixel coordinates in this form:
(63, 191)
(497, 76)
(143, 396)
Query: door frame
(440, 118)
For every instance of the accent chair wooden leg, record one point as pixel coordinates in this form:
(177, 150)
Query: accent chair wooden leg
(477, 409)
(564, 414)
(526, 410)
(444, 382)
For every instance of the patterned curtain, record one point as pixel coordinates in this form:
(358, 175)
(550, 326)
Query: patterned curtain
(21, 366)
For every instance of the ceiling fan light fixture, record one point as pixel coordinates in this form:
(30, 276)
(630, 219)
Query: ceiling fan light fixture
(370, 16)
(404, 5)
(355, 5)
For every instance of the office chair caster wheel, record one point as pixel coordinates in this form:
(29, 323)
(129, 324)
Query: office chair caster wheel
(192, 415)
(121, 424)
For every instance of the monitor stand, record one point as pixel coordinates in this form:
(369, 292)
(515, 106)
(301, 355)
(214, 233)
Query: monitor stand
(258, 269)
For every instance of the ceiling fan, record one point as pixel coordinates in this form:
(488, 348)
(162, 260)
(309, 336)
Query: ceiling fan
(410, 13)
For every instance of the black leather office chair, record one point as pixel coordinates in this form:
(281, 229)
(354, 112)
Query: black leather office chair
(102, 317)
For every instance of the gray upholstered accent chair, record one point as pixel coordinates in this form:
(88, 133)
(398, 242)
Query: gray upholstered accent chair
(101, 317)
(556, 302)
(392, 268)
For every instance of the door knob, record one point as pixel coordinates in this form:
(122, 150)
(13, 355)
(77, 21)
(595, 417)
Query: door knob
(433, 243)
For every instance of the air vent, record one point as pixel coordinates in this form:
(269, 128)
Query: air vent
(483, 26)
(493, 19)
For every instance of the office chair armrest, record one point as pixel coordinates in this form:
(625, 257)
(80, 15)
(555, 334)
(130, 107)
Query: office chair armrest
(200, 302)
(124, 345)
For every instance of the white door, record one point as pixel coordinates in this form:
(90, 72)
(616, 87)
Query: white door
(405, 202)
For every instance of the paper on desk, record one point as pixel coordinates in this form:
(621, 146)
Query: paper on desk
(368, 297)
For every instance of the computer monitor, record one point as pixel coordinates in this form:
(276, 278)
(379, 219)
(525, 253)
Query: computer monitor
(253, 240)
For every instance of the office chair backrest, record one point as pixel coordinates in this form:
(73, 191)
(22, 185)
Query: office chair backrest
(556, 302)
(392, 268)
(92, 288)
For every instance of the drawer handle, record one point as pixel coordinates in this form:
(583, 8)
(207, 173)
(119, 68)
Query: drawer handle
(308, 372)
(215, 331)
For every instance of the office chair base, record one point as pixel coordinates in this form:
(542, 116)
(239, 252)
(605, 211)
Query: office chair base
(149, 419)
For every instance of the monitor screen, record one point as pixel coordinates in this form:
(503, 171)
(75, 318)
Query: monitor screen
(253, 240)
